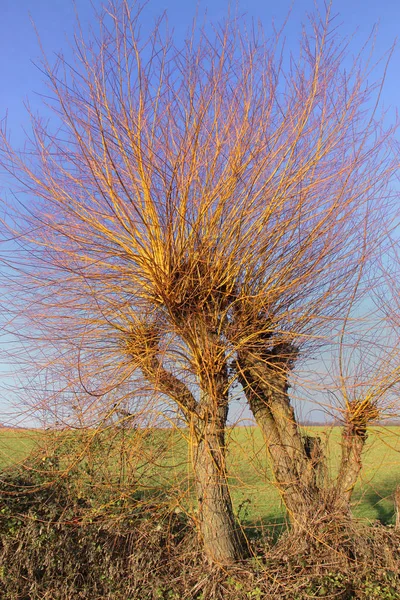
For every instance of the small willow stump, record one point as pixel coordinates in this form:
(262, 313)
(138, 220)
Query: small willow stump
(316, 456)
(397, 506)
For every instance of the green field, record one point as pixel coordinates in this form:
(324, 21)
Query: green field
(373, 494)
(161, 460)
(16, 445)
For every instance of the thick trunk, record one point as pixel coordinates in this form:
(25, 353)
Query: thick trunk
(223, 539)
(297, 461)
(295, 467)
(300, 475)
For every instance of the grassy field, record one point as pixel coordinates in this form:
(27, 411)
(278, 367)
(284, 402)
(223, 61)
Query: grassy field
(16, 445)
(164, 462)
(373, 494)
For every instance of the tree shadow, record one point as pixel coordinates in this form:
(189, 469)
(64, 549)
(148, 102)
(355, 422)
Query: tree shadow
(267, 529)
(377, 500)
(380, 499)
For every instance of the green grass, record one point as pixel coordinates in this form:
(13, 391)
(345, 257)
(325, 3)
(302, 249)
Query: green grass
(255, 498)
(373, 496)
(17, 444)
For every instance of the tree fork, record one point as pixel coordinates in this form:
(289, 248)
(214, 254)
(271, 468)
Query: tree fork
(223, 539)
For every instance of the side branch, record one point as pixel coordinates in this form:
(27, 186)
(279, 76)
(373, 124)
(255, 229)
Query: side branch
(358, 414)
(142, 345)
(167, 383)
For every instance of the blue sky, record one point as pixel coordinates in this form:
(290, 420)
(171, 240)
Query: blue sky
(21, 80)
(54, 20)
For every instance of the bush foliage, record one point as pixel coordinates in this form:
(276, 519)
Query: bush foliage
(58, 544)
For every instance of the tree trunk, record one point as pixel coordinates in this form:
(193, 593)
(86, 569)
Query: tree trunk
(397, 507)
(223, 539)
(294, 465)
(297, 461)
(353, 441)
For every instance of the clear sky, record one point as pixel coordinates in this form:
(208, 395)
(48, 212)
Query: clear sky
(21, 79)
(54, 19)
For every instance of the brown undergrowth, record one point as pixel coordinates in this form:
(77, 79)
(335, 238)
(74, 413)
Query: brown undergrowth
(55, 546)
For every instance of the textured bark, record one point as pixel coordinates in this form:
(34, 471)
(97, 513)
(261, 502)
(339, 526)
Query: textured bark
(397, 507)
(316, 456)
(353, 441)
(294, 469)
(297, 462)
(223, 539)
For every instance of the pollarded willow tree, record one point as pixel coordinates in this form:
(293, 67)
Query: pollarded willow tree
(201, 217)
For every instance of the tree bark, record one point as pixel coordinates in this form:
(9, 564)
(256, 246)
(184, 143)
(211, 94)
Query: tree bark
(223, 539)
(353, 441)
(295, 470)
(297, 461)
(397, 507)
